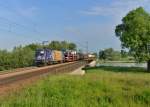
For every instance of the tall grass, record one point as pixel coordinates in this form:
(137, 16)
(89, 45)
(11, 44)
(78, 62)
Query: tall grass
(98, 88)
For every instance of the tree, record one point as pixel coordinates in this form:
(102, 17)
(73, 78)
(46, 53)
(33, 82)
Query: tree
(134, 34)
(22, 57)
(102, 55)
(72, 46)
(55, 45)
(33, 46)
(62, 45)
(109, 54)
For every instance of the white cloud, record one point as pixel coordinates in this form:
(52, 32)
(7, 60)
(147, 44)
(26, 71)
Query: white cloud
(116, 8)
(114, 11)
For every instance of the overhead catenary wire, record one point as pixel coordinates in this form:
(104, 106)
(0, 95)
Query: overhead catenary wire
(11, 24)
(18, 29)
(14, 11)
(15, 24)
(83, 46)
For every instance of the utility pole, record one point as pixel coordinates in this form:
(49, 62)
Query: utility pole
(87, 47)
(87, 51)
(44, 42)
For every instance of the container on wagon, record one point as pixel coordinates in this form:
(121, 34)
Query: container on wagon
(70, 56)
(58, 56)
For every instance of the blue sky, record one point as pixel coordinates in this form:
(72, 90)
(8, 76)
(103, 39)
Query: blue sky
(33, 21)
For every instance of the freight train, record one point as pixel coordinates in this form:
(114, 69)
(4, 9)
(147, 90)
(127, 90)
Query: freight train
(49, 57)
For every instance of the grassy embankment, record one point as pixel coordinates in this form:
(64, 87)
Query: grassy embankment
(100, 87)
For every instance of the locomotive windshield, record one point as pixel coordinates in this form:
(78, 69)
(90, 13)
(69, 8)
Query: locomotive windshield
(39, 52)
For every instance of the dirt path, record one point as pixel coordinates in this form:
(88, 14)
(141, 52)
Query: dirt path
(78, 71)
(92, 64)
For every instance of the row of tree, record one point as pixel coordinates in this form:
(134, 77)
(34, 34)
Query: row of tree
(23, 56)
(18, 57)
(55, 45)
(112, 55)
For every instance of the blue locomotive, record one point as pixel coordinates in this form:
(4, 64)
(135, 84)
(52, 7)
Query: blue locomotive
(43, 56)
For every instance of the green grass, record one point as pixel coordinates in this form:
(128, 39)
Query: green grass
(100, 87)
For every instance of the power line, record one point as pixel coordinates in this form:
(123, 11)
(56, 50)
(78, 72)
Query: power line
(20, 25)
(17, 29)
(7, 7)
(11, 23)
(84, 46)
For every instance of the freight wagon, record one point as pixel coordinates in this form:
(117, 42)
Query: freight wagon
(58, 56)
(47, 57)
(70, 56)
(89, 57)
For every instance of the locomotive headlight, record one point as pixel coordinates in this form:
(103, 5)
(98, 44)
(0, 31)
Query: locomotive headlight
(39, 58)
(42, 52)
(43, 58)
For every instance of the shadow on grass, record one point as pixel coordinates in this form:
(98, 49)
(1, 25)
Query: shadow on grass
(117, 69)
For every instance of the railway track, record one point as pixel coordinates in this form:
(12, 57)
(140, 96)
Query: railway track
(14, 77)
(17, 70)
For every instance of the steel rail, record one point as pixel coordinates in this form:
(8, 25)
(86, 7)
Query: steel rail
(13, 77)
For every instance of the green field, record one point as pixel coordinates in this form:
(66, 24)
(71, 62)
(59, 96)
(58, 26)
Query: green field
(100, 87)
